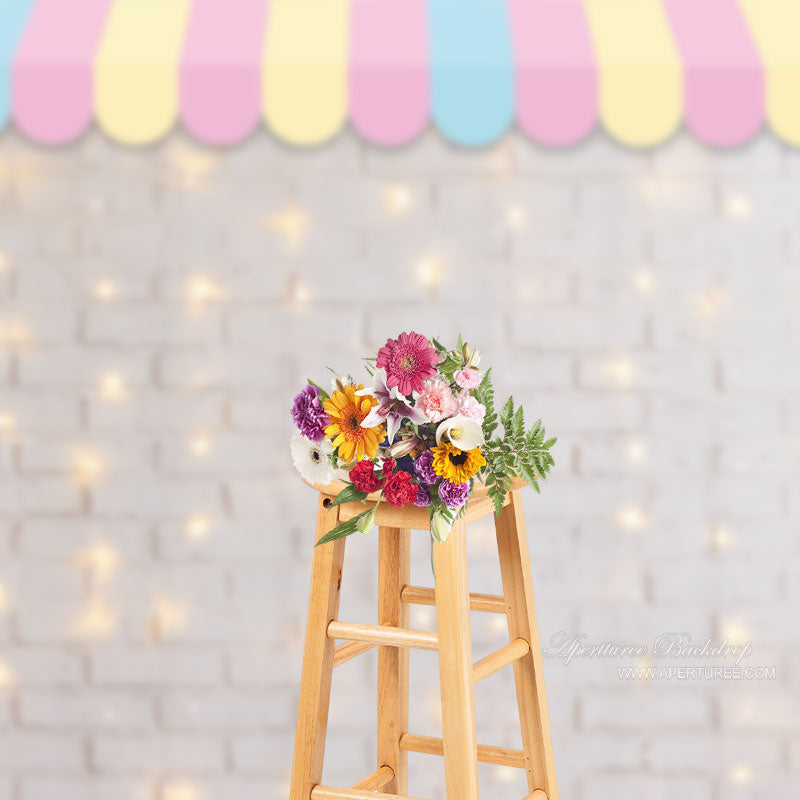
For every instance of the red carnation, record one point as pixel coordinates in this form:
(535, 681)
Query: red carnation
(364, 478)
(399, 491)
(387, 467)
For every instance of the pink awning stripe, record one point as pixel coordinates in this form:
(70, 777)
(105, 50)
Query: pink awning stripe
(52, 83)
(723, 74)
(556, 70)
(389, 75)
(220, 76)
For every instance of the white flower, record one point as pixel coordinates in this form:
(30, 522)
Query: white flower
(463, 432)
(311, 459)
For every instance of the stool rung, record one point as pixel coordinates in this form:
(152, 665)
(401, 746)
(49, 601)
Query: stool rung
(378, 780)
(332, 793)
(383, 634)
(412, 743)
(512, 652)
(343, 653)
(539, 794)
(421, 596)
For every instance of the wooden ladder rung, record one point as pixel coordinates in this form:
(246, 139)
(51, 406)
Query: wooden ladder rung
(379, 779)
(539, 794)
(512, 652)
(383, 634)
(332, 793)
(421, 596)
(343, 653)
(487, 754)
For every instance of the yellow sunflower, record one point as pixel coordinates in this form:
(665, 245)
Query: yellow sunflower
(346, 412)
(457, 466)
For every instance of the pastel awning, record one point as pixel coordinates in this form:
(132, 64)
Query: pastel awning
(305, 69)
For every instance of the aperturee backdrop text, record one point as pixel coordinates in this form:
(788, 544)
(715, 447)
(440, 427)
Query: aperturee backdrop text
(420, 434)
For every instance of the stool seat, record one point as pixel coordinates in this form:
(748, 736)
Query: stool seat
(452, 642)
(414, 517)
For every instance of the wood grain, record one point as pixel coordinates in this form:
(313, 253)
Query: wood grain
(455, 666)
(515, 569)
(394, 569)
(315, 680)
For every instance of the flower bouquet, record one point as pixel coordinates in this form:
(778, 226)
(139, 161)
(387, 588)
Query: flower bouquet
(420, 434)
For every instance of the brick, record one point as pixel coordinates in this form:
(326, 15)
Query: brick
(151, 666)
(41, 752)
(94, 787)
(93, 710)
(148, 324)
(224, 710)
(645, 707)
(126, 753)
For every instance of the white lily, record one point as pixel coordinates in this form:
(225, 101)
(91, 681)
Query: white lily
(392, 406)
(463, 432)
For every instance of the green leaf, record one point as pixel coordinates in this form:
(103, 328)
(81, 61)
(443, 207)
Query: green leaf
(550, 442)
(348, 495)
(345, 529)
(322, 392)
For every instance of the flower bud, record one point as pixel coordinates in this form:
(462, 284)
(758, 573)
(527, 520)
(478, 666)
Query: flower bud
(440, 527)
(366, 523)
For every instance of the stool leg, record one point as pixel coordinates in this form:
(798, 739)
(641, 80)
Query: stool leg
(515, 568)
(393, 574)
(315, 682)
(455, 666)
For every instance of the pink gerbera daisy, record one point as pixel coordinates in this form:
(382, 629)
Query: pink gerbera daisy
(408, 360)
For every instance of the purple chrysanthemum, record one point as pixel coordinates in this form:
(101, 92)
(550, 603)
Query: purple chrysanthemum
(423, 498)
(309, 415)
(423, 466)
(453, 495)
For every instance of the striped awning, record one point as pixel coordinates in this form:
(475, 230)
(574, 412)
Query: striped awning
(556, 69)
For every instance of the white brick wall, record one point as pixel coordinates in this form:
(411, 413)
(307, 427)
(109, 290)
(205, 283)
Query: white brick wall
(151, 613)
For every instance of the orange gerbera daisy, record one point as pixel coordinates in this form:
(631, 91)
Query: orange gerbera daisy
(346, 411)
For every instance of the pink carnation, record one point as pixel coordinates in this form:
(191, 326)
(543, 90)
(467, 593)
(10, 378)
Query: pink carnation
(437, 400)
(469, 407)
(467, 378)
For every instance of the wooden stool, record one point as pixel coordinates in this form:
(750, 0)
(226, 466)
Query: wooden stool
(458, 674)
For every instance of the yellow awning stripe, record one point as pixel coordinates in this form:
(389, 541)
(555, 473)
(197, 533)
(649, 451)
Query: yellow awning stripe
(775, 25)
(641, 89)
(136, 71)
(304, 71)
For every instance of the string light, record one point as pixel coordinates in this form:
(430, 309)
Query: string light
(169, 616)
(498, 623)
(710, 303)
(181, 790)
(736, 632)
(97, 205)
(8, 425)
(4, 260)
(738, 206)
(6, 675)
(637, 451)
(721, 538)
(200, 291)
(515, 217)
(102, 559)
(291, 224)
(96, 621)
(104, 289)
(88, 467)
(198, 526)
(429, 272)
(296, 294)
(201, 443)
(399, 199)
(112, 387)
(14, 333)
(193, 165)
(644, 282)
(504, 774)
(741, 774)
(631, 518)
(622, 370)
